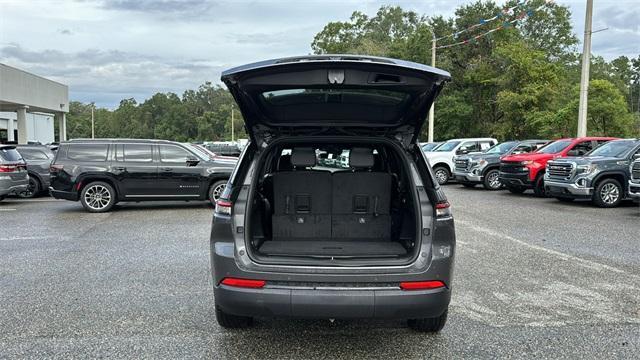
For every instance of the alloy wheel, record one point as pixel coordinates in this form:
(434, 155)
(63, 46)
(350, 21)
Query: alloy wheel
(442, 176)
(494, 180)
(97, 197)
(31, 189)
(217, 191)
(609, 194)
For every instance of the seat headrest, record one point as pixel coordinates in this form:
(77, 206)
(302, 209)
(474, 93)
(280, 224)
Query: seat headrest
(361, 158)
(303, 157)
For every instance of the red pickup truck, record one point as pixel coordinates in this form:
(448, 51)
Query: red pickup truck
(526, 171)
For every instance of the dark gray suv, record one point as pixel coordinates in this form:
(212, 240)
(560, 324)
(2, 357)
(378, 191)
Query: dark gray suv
(292, 238)
(38, 159)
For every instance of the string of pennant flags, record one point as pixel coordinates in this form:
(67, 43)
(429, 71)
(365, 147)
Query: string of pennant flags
(507, 12)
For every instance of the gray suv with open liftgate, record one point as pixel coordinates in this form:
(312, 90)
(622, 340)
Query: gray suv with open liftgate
(484, 167)
(634, 180)
(291, 238)
(602, 175)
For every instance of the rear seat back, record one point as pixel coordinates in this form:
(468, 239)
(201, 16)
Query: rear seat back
(302, 200)
(361, 200)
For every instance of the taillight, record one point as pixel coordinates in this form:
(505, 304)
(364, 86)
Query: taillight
(8, 168)
(443, 209)
(422, 285)
(243, 283)
(224, 207)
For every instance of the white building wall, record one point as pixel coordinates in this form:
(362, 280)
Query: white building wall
(39, 126)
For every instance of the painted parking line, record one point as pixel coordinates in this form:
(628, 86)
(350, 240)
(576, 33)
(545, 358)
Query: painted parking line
(7, 209)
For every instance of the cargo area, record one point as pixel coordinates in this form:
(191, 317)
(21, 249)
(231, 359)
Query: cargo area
(333, 201)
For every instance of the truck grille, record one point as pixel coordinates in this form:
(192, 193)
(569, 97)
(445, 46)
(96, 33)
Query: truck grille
(514, 167)
(635, 171)
(462, 164)
(559, 170)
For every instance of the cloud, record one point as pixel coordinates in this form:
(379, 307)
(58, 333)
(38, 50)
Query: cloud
(106, 76)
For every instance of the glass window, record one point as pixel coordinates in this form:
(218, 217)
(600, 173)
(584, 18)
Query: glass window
(448, 146)
(469, 146)
(138, 153)
(33, 154)
(174, 154)
(484, 145)
(614, 148)
(10, 154)
(501, 148)
(555, 147)
(88, 152)
(581, 148)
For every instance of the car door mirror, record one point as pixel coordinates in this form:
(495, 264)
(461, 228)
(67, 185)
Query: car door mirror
(636, 156)
(192, 161)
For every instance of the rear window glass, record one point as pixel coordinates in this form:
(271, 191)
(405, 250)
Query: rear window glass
(355, 96)
(138, 153)
(35, 154)
(88, 152)
(10, 154)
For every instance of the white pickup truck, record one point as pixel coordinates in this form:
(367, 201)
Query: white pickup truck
(441, 159)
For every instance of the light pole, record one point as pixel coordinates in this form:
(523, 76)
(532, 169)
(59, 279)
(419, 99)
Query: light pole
(93, 123)
(584, 76)
(433, 63)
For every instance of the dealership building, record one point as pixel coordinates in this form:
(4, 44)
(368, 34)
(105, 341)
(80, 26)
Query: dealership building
(29, 106)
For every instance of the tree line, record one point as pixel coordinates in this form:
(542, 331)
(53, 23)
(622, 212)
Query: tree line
(518, 82)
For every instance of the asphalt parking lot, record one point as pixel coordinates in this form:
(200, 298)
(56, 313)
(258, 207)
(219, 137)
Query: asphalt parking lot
(534, 278)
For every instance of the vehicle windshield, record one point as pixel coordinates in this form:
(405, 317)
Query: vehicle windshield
(430, 146)
(613, 148)
(201, 154)
(555, 147)
(501, 148)
(448, 146)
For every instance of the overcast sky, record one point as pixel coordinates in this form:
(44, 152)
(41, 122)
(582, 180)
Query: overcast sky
(107, 50)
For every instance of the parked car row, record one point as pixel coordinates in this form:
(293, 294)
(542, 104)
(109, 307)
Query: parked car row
(604, 170)
(19, 161)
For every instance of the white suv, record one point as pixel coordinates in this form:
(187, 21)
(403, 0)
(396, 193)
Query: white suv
(442, 158)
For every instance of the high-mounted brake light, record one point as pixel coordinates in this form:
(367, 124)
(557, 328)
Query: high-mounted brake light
(243, 283)
(443, 209)
(422, 285)
(224, 207)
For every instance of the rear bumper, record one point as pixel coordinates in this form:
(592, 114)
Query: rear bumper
(567, 189)
(65, 195)
(332, 304)
(634, 190)
(11, 187)
(467, 177)
(516, 179)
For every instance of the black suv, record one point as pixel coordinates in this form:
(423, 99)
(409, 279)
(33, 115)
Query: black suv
(602, 175)
(294, 239)
(484, 168)
(103, 172)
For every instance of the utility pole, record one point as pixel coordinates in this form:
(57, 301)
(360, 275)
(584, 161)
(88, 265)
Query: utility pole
(584, 76)
(232, 125)
(433, 63)
(93, 123)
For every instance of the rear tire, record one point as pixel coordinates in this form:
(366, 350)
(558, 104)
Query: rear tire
(229, 321)
(98, 197)
(429, 324)
(538, 187)
(33, 189)
(215, 191)
(608, 193)
(516, 189)
(492, 180)
(442, 174)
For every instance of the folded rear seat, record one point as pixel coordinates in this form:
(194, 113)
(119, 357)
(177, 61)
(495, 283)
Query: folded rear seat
(302, 200)
(361, 200)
